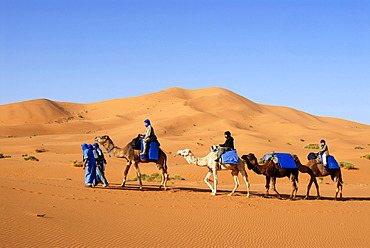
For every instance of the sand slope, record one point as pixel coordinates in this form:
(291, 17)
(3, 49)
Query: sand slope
(186, 215)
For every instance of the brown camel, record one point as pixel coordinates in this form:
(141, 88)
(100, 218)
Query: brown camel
(272, 171)
(133, 158)
(316, 169)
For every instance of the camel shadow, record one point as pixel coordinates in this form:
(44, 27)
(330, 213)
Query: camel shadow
(359, 199)
(131, 187)
(155, 188)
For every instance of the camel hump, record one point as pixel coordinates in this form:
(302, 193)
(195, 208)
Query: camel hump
(286, 160)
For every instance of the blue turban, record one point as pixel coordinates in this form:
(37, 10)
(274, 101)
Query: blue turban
(84, 146)
(147, 121)
(89, 146)
(322, 141)
(96, 145)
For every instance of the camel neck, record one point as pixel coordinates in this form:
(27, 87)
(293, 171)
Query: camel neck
(110, 147)
(191, 159)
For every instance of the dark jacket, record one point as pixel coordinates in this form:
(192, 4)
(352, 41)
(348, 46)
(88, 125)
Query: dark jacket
(229, 142)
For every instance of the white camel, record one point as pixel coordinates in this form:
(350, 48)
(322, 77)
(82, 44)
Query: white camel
(213, 167)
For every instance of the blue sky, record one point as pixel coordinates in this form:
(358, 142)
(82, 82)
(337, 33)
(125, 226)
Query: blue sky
(310, 55)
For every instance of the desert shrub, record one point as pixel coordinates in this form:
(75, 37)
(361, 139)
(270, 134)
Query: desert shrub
(312, 146)
(302, 140)
(177, 177)
(155, 177)
(288, 144)
(39, 150)
(4, 156)
(366, 156)
(77, 163)
(359, 147)
(24, 155)
(32, 158)
(346, 165)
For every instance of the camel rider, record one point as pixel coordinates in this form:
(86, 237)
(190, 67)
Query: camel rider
(227, 146)
(149, 136)
(324, 152)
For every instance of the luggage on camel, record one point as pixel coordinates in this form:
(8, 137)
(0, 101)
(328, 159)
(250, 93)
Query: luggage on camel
(153, 150)
(312, 155)
(230, 157)
(136, 143)
(332, 164)
(285, 160)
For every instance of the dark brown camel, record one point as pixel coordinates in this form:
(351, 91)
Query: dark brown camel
(272, 171)
(316, 169)
(133, 158)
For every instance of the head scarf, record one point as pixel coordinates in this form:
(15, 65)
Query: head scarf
(322, 141)
(147, 121)
(96, 145)
(89, 146)
(84, 146)
(227, 133)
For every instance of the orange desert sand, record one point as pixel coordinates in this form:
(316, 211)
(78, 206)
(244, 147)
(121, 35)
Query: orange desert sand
(45, 203)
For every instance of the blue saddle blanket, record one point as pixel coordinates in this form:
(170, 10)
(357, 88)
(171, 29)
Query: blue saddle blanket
(230, 157)
(153, 151)
(332, 164)
(286, 160)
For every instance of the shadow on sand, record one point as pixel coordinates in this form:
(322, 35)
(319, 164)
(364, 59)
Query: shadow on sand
(155, 188)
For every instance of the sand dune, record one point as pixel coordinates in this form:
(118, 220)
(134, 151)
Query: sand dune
(186, 215)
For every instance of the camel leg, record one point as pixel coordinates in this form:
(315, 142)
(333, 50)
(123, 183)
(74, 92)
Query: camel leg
(206, 180)
(164, 180)
(267, 186)
(338, 190)
(162, 165)
(295, 189)
(236, 180)
(308, 188)
(125, 172)
(215, 179)
(274, 187)
(245, 177)
(138, 173)
(317, 188)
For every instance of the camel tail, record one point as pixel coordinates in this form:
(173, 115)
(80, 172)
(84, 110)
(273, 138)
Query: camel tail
(340, 178)
(164, 160)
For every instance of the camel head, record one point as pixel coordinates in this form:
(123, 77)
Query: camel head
(250, 160)
(184, 153)
(103, 140)
(188, 155)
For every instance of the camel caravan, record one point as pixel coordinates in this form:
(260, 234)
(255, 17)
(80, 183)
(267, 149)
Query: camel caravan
(146, 149)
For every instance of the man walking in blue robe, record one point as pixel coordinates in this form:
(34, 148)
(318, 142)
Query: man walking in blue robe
(89, 165)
